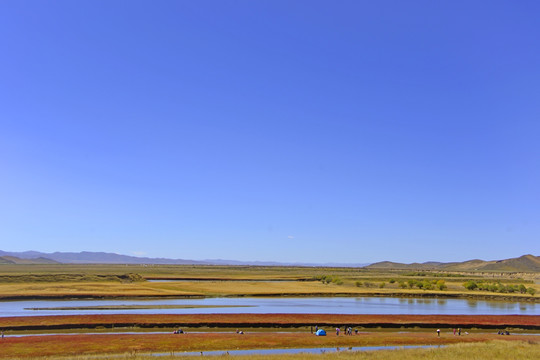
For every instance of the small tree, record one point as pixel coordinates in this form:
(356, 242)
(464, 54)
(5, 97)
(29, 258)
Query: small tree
(470, 285)
(441, 285)
(427, 285)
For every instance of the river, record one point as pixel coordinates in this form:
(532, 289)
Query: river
(299, 305)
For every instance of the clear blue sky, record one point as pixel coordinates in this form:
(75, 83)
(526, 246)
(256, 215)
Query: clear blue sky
(310, 131)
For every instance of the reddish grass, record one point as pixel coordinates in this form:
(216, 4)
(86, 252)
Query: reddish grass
(267, 320)
(33, 346)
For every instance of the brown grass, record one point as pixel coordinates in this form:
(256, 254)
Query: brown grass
(58, 281)
(103, 289)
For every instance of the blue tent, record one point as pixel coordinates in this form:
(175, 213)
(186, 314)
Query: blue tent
(320, 332)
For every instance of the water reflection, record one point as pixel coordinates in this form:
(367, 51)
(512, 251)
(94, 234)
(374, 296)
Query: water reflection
(316, 305)
(298, 351)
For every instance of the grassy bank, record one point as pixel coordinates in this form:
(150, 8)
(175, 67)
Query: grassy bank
(268, 321)
(492, 350)
(71, 345)
(111, 290)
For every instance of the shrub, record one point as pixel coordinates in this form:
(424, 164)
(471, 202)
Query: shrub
(531, 291)
(391, 281)
(325, 279)
(427, 285)
(381, 285)
(441, 285)
(470, 285)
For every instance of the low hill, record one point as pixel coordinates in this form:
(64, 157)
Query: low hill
(5, 260)
(16, 260)
(525, 263)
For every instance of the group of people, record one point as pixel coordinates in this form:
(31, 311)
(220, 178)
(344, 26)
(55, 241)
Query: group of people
(348, 331)
(458, 331)
(503, 332)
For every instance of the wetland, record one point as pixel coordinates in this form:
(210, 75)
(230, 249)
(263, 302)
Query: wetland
(101, 310)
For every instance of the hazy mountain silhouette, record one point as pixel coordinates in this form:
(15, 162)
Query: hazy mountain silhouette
(87, 257)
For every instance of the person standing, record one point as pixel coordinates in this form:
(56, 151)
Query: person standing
(438, 332)
(337, 331)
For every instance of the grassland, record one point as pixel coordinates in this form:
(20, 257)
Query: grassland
(84, 344)
(492, 350)
(59, 281)
(39, 281)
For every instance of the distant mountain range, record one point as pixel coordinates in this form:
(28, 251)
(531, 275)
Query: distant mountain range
(525, 263)
(87, 257)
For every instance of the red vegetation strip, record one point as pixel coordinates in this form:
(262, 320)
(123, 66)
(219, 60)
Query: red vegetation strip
(266, 320)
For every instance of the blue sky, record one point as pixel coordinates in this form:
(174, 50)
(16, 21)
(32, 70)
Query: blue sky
(309, 131)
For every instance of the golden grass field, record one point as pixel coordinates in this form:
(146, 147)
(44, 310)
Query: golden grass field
(102, 281)
(492, 350)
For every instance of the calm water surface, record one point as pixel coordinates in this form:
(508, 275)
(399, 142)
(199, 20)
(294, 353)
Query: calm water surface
(300, 305)
(299, 351)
